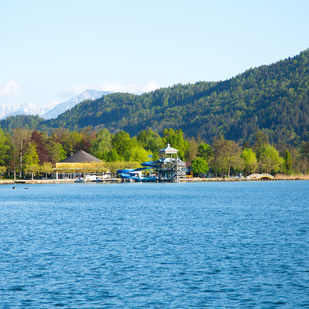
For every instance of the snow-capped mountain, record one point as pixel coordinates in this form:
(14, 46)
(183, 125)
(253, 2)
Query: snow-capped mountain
(62, 107)
(22, 109)
(45, 112)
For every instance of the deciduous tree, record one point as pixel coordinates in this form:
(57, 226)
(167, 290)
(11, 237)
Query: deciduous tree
(176, 140)
(227, 155)
(37, 138)
(121, 142)
(250, 160)
(199, 166)
(31, 159)
(2, 170)
(269, 159)
(4, 147)
(20, 139)
(192, 150)
(102, 144)
(151, 140)
(56, 152)
(205, 151)
(46, 168)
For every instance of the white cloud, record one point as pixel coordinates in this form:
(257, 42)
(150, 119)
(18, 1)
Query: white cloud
(75, 90)
(131, 87)
(117, 87)
(151, 86)
(53, 103)
(10, 89)
(107, 86)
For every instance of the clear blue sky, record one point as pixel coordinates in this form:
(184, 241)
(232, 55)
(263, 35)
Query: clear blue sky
(53, 50)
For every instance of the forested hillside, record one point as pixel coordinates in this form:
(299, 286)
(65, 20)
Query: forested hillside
(29, 122)
(272, 98)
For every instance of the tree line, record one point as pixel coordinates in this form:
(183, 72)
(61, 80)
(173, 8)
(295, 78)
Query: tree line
(25, 153)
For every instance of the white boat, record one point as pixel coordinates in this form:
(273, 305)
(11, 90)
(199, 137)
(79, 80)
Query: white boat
(91, 178)
(80, 179)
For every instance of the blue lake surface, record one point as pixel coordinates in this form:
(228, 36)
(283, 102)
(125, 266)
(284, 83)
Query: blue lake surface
(188, 245)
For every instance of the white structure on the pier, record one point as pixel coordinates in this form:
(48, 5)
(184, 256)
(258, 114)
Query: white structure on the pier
(169, 167)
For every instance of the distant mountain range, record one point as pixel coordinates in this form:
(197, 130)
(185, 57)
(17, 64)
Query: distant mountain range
(22, 109)
(63, 107)
(49, 113)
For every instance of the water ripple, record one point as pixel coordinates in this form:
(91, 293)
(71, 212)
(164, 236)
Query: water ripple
(215, 245)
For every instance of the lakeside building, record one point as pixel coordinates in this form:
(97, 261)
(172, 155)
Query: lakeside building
(79, 164)
(169, 167)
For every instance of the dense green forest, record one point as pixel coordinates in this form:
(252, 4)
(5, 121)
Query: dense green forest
(29, 122)
(272, 98)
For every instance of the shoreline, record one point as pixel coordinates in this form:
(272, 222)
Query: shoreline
(118, 180)
(35, 181)
(244, 179)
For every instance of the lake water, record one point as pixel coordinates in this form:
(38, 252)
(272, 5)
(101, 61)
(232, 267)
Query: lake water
(191, 245)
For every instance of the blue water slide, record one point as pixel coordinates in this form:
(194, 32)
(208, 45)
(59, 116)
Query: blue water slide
(125, 171)
(149, 163)
(130, 174)
(124, 175)
(132, 170)
(141, 168)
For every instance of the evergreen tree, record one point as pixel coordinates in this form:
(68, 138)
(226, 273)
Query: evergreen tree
(261, 139)
(288, 163)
